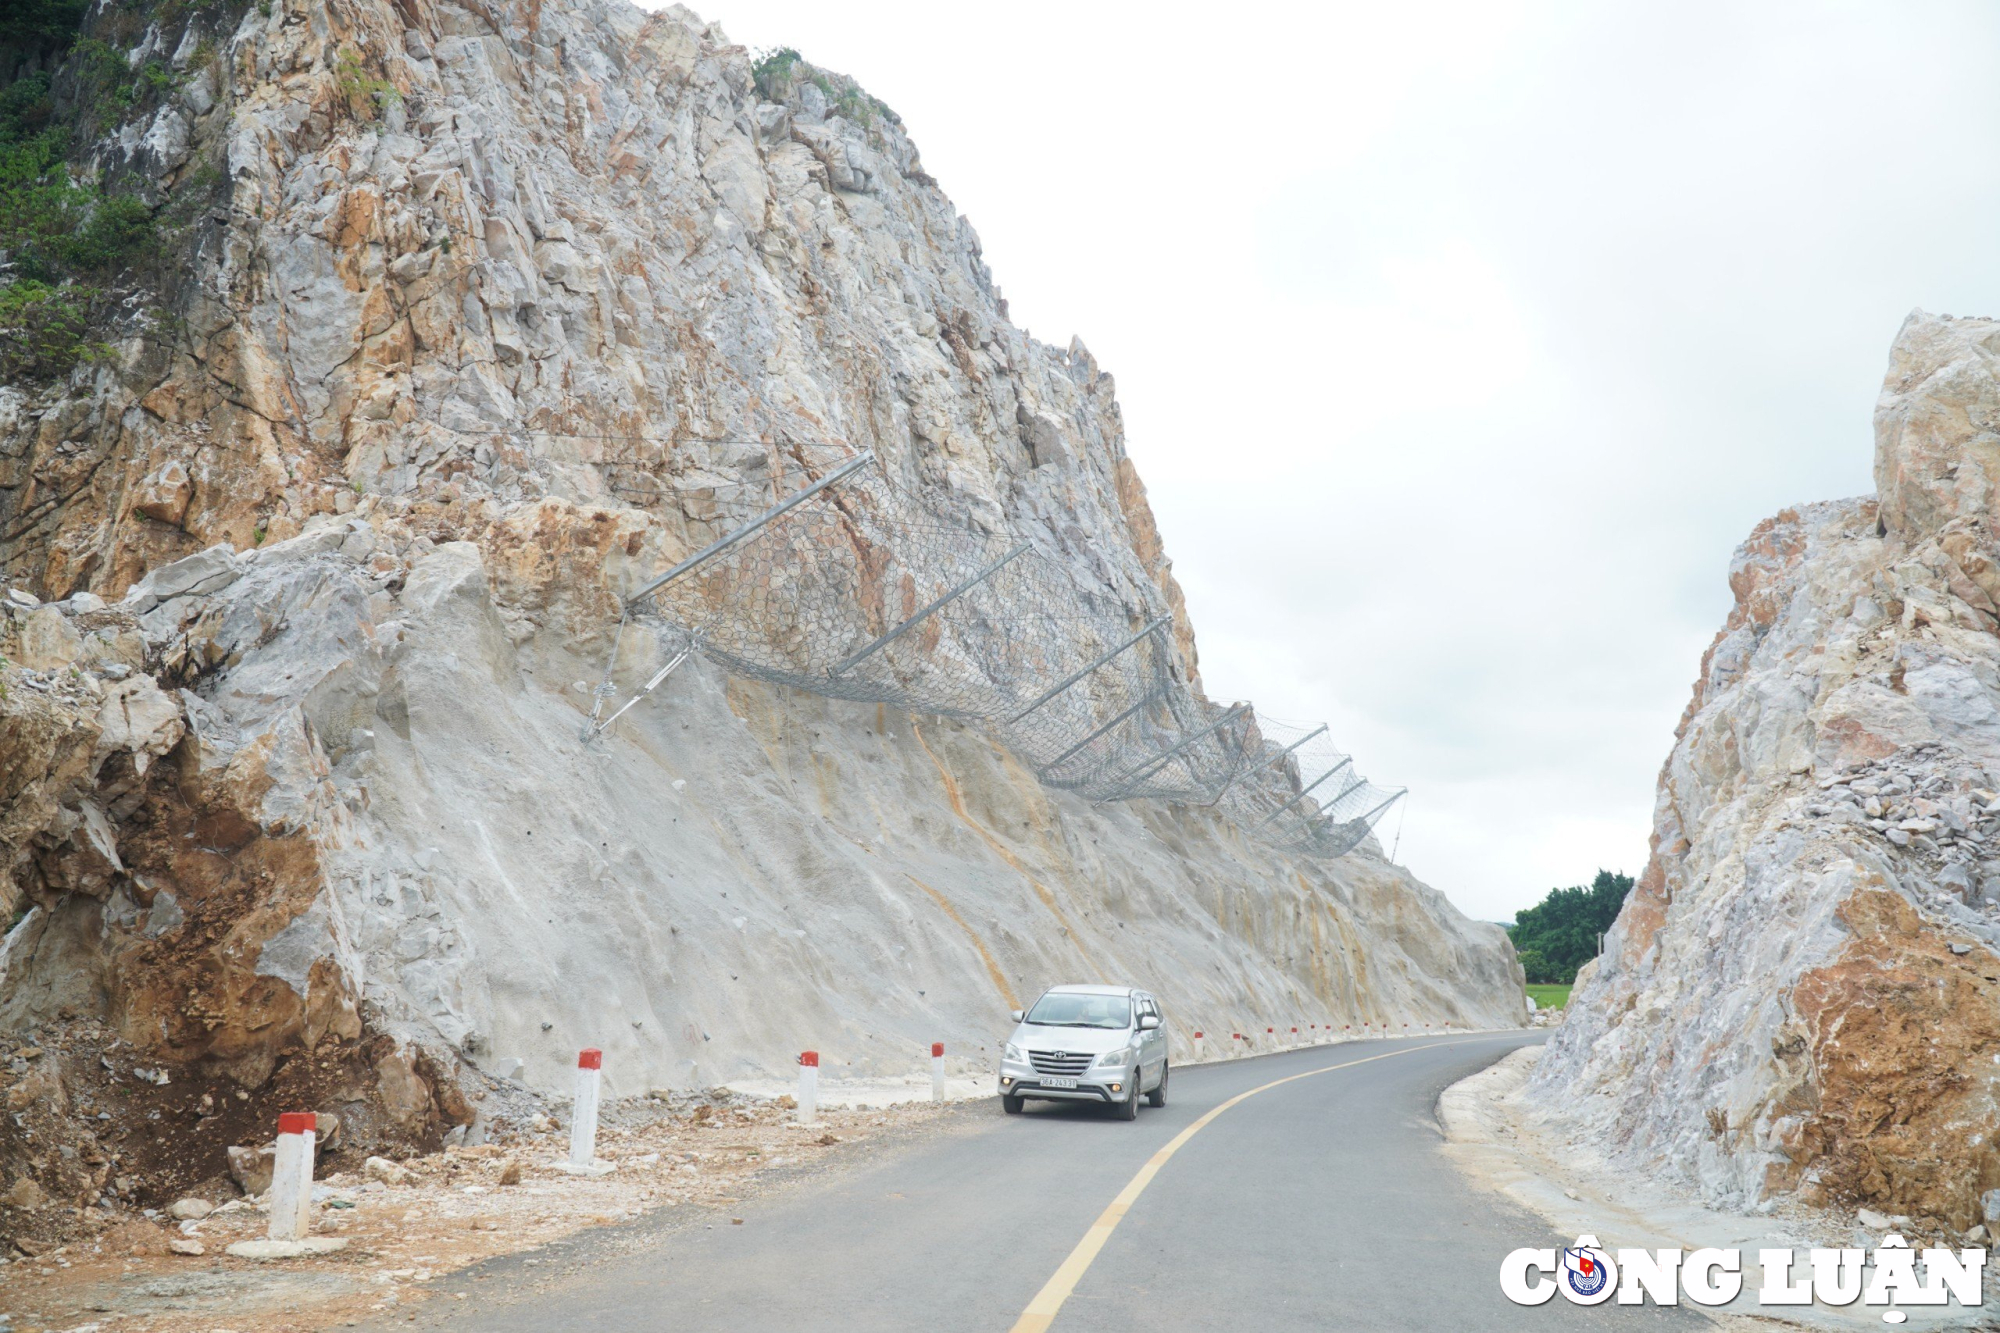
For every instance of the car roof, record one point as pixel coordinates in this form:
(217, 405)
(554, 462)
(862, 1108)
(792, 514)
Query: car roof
(1094, 990)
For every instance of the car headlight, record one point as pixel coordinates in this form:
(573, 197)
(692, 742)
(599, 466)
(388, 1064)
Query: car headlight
(1013, 1052)
(1117, 1059)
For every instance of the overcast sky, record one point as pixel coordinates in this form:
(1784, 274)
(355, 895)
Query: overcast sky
(1459, 345)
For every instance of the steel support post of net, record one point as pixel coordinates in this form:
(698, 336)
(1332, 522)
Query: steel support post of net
(1151, 697)
(1375, 814)
(1345, 792)
(1303, 790)
(754, 526)
(1316, 836)
(1076, 676)
(967, 586)
(1146, 770)
(1248, 769)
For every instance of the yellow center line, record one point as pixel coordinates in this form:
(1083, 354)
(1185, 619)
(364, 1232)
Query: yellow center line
(1048, 1302)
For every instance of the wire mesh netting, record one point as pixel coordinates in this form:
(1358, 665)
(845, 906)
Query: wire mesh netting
(861, 592)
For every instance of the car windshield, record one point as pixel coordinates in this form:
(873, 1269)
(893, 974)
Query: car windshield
(1082, 1011)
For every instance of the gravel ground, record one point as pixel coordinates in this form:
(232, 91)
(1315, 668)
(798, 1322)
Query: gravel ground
(408, 1242)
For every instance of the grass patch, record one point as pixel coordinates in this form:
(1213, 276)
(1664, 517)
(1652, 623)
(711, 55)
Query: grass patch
(364, 92)
(1549, 997)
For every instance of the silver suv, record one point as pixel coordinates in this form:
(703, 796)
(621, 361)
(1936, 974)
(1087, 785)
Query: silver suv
(1087, 1043)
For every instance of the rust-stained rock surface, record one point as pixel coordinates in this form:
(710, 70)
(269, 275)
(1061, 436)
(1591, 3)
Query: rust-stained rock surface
(1801, 998)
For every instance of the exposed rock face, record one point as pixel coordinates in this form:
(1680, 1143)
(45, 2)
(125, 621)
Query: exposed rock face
(567, 250)
(464, 360)
(383, 762)
(1803, 993)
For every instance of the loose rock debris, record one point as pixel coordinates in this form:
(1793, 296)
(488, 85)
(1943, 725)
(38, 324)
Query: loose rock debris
(167, 1272)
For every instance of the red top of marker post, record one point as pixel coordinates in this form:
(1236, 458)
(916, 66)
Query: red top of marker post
(937, 1049)
(1197, 1036)
(297, 1122)
(590, 1059)
(809, 1058)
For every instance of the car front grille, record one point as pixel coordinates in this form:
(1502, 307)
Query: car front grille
(1062, 1064)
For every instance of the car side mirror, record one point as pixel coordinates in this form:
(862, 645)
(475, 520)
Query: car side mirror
(1016, 1013)
(1148, 1022)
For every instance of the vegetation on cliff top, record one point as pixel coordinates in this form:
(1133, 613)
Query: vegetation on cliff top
(1559, 935)
(31, 28)
(776, 71)
(65, 237)
(59, 237)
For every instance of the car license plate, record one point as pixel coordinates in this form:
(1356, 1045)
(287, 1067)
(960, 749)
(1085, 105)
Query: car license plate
(1058, 1082)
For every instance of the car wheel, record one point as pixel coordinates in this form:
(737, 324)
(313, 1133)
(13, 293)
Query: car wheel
(1011, 1104)
(1158, 1096)
(1129, 1108)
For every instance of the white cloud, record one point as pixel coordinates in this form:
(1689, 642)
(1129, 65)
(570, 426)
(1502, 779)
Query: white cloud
(1459, 344)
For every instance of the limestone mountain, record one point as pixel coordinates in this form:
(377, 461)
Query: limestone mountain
(481, 314)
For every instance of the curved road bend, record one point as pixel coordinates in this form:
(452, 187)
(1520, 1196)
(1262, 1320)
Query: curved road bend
(1317, 1204)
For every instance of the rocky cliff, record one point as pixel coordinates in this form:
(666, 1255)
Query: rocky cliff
(1801, 998)
(487, 313)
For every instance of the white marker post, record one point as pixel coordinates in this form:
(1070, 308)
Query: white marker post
(1197, 1047)
(937, 1071)
(583, 1118)
(292, 1176)
(289, 1199)
(808, 1087)
(1295, 1037)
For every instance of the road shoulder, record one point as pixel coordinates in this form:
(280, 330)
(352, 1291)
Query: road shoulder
(434, 1232)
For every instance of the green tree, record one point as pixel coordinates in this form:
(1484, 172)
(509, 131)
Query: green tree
(65, 240)
(42, 328)
(34, 26)
(1559, 935)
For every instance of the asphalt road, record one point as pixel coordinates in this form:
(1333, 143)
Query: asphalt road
(1318, 1204)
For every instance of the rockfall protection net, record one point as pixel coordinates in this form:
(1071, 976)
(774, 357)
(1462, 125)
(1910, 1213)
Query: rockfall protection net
(859, 592)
